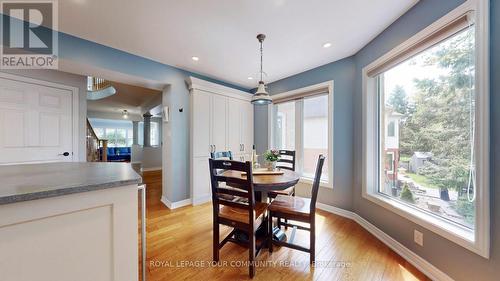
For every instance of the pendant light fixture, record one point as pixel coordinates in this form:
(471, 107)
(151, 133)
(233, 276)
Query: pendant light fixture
(261, 97)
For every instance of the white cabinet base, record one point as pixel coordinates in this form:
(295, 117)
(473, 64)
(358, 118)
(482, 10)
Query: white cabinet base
(84, 236)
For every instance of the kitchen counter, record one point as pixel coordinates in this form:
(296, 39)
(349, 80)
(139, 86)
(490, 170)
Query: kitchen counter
(36, 181)
(70, 221)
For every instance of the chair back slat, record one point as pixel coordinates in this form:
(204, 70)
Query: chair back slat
(234, 204)
(231, 191)
(221, 154)
(233, 182)
(317, 180)
(286, 160)
(242, 187)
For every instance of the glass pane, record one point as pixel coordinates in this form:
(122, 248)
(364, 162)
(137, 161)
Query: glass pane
(140, 136)
(315, 135)
(110, 135)
(99, 132)
(155, 140)
(121, 139)
(429, 156)
(284, 126)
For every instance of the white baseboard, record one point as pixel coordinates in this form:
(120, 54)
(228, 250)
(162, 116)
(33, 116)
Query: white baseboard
(420, 263)
(202, 199)
(175, 205)
(151, 169)
(336, 210)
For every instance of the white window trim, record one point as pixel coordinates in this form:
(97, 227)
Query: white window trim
(323, 85)
(479, 240)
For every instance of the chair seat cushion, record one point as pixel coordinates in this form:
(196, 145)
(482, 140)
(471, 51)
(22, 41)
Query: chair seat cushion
(289, 191)
(297, 206)
(241, 215)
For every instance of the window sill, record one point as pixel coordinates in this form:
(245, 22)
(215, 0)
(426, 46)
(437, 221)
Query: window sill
(461, 235)
(310, 181)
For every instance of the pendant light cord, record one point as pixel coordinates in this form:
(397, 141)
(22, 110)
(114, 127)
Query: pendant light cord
(261, 60)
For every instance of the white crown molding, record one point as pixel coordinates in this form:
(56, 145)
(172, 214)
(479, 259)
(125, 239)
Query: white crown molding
(420, 263)
(206, 86)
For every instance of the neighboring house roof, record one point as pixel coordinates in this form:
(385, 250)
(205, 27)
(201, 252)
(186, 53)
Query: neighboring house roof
(389, 110)
(422, 155)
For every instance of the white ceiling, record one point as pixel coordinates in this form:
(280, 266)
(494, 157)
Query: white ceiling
(222, 33)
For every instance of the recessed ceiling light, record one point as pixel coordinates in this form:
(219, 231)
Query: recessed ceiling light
(250, 78)
(195, 58)
(327, 45)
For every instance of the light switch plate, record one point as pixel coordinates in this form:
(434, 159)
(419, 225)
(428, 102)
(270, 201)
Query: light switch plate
(418, 237)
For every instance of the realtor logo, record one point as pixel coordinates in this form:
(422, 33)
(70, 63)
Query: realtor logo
(29, 35)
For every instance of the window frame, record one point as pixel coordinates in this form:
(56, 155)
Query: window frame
(478, 240)
(328, 86)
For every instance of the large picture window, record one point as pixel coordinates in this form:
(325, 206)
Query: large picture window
(302, 122)
(426, 131)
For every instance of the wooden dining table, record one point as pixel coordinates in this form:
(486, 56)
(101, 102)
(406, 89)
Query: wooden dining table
(265, 183)
(262, 185)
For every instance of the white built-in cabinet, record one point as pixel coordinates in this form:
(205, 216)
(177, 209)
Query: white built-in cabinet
(221, 120)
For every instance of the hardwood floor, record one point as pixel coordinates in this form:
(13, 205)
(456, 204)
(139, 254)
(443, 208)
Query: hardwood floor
(180, 248)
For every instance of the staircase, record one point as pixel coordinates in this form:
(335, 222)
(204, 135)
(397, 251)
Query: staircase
(93, 146)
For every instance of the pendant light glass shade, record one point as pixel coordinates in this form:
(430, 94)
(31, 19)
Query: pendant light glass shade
(261, 97)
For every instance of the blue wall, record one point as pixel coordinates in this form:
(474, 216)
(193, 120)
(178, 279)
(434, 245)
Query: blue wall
(176, 179)
(342, 73)
(457, 262)
(449, 257)
(176, 96)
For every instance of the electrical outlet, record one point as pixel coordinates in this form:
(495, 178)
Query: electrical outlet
(418, 237)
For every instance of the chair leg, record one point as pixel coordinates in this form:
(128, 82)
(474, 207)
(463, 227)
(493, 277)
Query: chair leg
(216, 241)
(270, 232)
(251, 253)
(312, 241)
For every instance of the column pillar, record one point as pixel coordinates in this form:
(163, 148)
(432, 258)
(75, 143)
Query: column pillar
(147, 129)
(135, 132)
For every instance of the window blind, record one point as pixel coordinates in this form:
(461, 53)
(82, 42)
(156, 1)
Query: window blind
(301, 95)
(452, 28)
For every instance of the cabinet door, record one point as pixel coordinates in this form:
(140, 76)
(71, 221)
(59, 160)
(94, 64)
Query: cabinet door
(201, 124)
(247, 127)
(218, 132)
(201, 190)
(234, 109)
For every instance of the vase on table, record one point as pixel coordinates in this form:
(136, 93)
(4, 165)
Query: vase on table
(271, 166)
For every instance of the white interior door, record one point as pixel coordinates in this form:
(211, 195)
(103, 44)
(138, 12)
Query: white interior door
(36, 122)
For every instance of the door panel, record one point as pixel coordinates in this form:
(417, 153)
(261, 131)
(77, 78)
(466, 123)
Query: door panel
(201, 192)
(201, 124)
(234, 126)
(247, 127)
(218, 132)
(35, 122)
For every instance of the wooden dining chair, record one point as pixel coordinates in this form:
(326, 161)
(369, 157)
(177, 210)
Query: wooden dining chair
(286, 161)
(221, 154)
(297, 209)
(243, 215)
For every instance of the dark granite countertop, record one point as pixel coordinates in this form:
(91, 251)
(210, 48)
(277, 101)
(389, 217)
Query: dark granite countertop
(36, 181)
